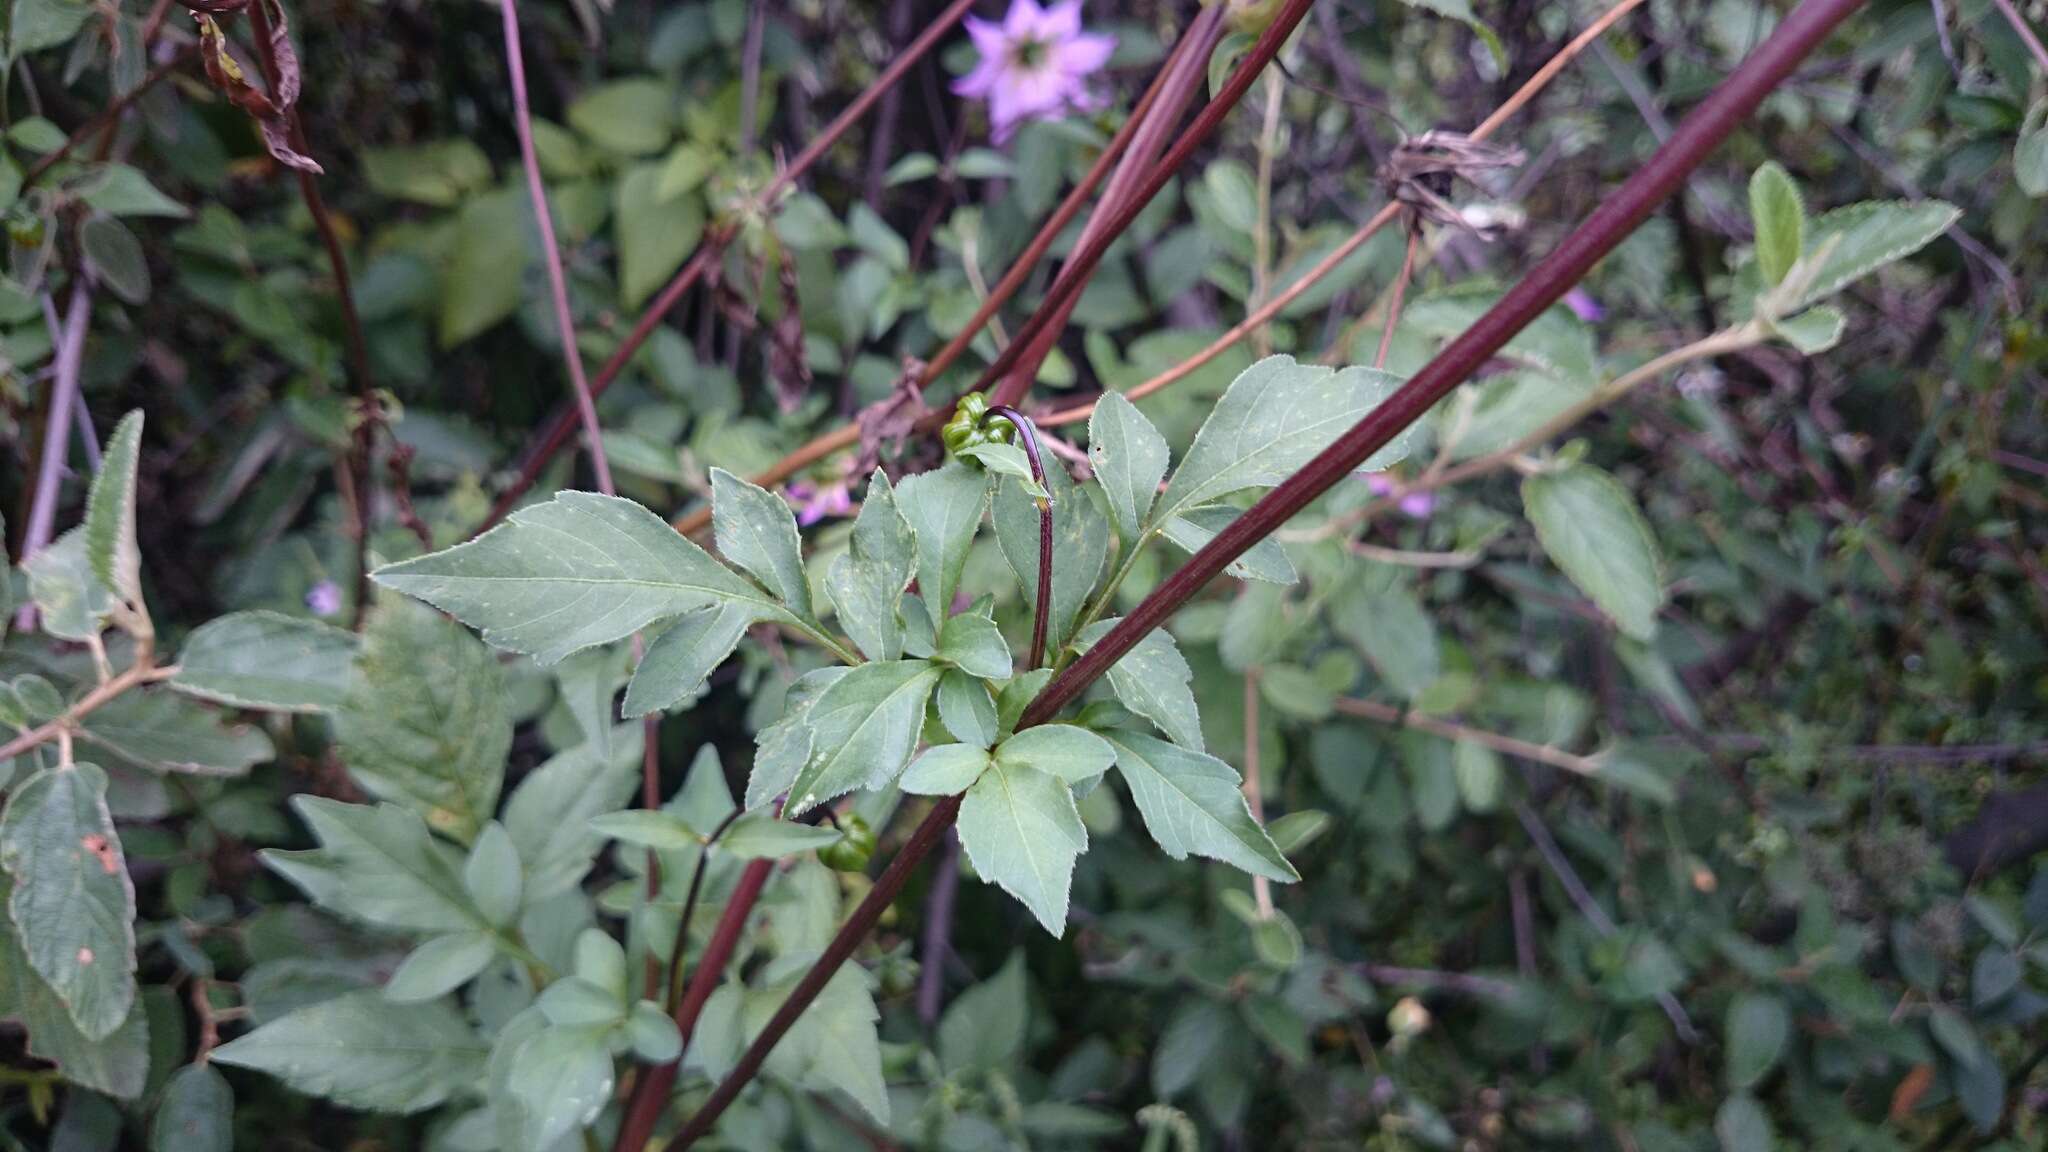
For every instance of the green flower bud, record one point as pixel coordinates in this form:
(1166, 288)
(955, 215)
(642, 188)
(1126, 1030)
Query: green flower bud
(851, 852)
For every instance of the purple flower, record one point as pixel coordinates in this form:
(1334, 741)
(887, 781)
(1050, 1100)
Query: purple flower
(1583, 306)
(1034, 65)
(324, 598)
(1414, 505)
(815, 502)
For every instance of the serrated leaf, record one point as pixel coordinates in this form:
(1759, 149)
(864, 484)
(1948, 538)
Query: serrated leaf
(972, 643)
(1192, 804)
(1129, 457)
(1002, 459)
(1589, 526)
(363, 1051)
(756, 531)
(117, 1064)
(1779, 217)
(164, 732)
(867, 583)
(72, 903)
(377, 864)
(546, 1082)
(863, 728)
(70, 600)
(1022, 831)
(426, 721)
(1852, 242)
(548, 816)
(1759, 1026)
(1272, 420)
(759, 836)
(1073, 754)
(944, 770)
(196, 1112)
(266, 660)
(1266, 560)
(1153, 679)
(785, 746)
(966, 709)
(943, 509)
(1080, 548)
(440, 966)
(579, 570)
(683, 657)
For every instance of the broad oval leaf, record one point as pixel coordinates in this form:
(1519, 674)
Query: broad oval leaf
(266, 660)
(196, 1112)
(1589, 526)
(579, 570)
(1073, 754)
(1779, 217)
(1854, 241)
(363, 1051)
(377, 864)
(440, 966)
(1759, 1026)
(72, 903)
(944, 770)
(165, 732)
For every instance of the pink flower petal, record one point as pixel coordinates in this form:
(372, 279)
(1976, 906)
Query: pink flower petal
(1022, 21)
(1061, 21)
(1080, 55)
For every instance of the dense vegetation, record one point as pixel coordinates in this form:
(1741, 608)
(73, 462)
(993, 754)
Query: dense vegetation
(1643, 750)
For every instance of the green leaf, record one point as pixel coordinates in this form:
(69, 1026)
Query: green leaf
(485, 278)
(944, 770)
(1779, 216)
(1129, 457)
(34, 25)
(267, 660)
(70, 600)
(363, 1051)
(586, 684)
(121, 190)
(1192, 804)
(631, 117)
(685, 655)
(966, 709)
(1153, 679)
(1478, 773)
(548, 816)
(117, 1064)
(377, 864)
(1005, 460)
(1589, 526)
(1955, 1035)
(785, 746)
(704, 801)
(943, 509)
(759, 836)
(654, 235)
(1391, 627)
(867, 583)
(1461, 11)
(438, 173)
(196, 1112)
(426, 721)
(1073, 754)
(1993, 976)
(1815, 330)
(579, 570)
(2030, 154)
(1266, 560)
(833, 1045)
(492, 877)
(115, 256)
(547, 1082)
(1759, 1026)
(72, 903)
(863, 728)
(984, 1027)
(1741, 1125)
(1080, 548)
(1852, 242)
(685, 169)
(649, 828)
(1272, 420)
(1022, 832)
(440, 966)
(163, 732)
(756, 531)
(972, 643)
(914, 167)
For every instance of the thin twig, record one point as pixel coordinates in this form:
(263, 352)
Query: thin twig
(143, 671)
(1379, 359)
(70, 362)
(106, 119)
(1450, 730)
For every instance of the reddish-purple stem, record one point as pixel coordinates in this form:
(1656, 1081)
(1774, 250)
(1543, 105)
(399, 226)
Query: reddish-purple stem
(1609, 224)
(1041, 615)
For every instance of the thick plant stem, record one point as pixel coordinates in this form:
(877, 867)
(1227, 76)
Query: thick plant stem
(1041, 613)
(938, 931)
(356, 489)
(1729, 104)
(1066, 290)
(564, 423)
(650, 1095)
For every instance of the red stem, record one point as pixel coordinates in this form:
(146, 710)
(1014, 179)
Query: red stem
(1059, 298)
(1617, 216)
(1042, 613)
(563, 423)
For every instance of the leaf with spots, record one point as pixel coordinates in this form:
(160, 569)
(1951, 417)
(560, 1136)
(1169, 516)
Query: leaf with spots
(73, 903)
